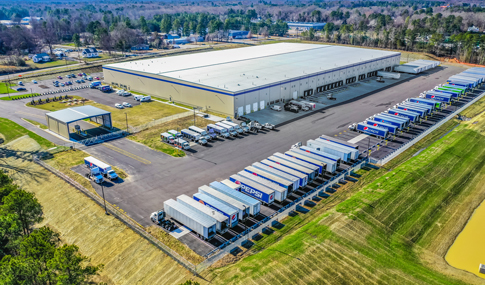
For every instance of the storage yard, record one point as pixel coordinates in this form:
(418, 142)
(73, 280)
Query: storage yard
(236, 179)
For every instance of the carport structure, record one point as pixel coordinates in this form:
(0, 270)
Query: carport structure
(59, 121)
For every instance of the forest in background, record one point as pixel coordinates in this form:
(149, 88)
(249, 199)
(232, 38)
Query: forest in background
(436, 27)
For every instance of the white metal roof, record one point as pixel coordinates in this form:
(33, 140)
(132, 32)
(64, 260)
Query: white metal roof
(237, 70)
(70, 115)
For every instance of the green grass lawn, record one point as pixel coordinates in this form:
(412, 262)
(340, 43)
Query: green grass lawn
(100, 57)
(138, 115)
(11, 131)
(4, 89)
(30, 95)
(42, 126)
(394, 226)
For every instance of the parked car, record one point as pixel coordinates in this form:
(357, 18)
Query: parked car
(73, 75)
(59, 77)
(276, 108)
(78, 81)
(119, 106)
(68, 75)
(21, 89)
(89, 78)
(119, 92)
(20, 83)
(126, 93)
(34, 81)
(128, 105)
(82, 81)
(79, 74)
(96, 78)
(56, 84)
(62, 84)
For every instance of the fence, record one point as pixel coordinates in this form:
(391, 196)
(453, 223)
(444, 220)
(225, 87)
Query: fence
(282, 213)
(133, 130)
(102, 138)
(427, 132)
(120, 216)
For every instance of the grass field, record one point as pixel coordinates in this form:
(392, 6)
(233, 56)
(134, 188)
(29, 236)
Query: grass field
(50, 63)
(151, 136)
(4, 87)
(138, 115)
(128, 258)
(42, 126)
(100, 57)
(11, 131)
(394, 226)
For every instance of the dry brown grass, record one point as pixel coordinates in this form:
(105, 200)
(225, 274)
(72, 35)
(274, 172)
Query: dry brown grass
(128, 258)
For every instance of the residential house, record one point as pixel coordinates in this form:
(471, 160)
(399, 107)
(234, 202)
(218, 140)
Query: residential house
(140, 47)
(473, 29)
(90, 52)
(41, 57)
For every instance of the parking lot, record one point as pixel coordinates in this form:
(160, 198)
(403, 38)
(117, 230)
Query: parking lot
(155, 177)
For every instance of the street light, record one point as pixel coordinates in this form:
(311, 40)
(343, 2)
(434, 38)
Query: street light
(126, 115)
(194, 113)
(104, 200)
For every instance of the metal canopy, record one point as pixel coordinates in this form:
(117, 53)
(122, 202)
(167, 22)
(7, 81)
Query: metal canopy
(70, 115)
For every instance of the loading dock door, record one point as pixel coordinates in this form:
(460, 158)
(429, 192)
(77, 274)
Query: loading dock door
(240, 111)
(255, 107)
(248, 109)
(295, 95)
(261, 105)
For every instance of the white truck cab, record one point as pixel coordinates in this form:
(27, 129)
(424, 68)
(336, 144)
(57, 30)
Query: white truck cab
(166, 137)
(175, 134)
(182, 144)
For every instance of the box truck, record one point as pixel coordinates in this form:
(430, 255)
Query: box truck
(221, 132)
(166, 137)
(201, 132)
(222, 222)
(104, 168)
(175, 134)
(193, 136)
(253, 205)
(230, 212)
(182, 144)
(203, 226)
(230, 129)
(279, 192)
(236, 127)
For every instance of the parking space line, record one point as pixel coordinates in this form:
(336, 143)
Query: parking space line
(29, 114)
(126, 153)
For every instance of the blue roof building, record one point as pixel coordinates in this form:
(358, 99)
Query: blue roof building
(305, 25)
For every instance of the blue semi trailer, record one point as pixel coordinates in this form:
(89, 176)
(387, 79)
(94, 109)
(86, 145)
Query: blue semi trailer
(434, 103)
(371, 130)
(398, 124)
(390, 128)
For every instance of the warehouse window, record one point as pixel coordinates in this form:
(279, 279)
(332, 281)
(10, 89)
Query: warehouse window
(350, 80)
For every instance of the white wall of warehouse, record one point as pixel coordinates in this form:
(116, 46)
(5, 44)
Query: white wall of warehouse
(285, 91)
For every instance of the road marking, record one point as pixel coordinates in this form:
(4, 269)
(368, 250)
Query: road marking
(30, 114)
(126, 153)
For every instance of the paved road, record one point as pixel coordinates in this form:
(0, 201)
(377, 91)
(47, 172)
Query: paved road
(156, 177)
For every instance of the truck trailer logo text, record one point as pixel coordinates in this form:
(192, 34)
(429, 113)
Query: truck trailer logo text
(252, 191)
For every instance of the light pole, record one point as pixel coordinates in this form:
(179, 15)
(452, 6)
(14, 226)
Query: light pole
(126, 115)
(194, 113)
(104, 200)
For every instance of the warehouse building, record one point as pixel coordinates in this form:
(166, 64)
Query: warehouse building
(246, 80)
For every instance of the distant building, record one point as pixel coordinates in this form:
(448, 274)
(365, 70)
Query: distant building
(29, 19)
(237, 34)
(41, 57)
(304, 26)
(473, 29)
(170, 36)
(60, 54)
(140, 47)
(185, 40)
(90, 52)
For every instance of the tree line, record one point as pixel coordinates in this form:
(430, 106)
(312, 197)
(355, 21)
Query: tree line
(31, 255)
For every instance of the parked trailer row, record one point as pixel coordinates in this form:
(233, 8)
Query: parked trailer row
(232, 190)
(323, 167)
(222, 222)
(434, 103)
(389, 127)
(388, 120)
(314, 168)
(231, 212)
(226, 199)
(202, 225)
(297, 167)
(303, 179)
(253, 189)
(330, 166)
(279, 173)
(280, 193)
(282, 182)
(339, 141)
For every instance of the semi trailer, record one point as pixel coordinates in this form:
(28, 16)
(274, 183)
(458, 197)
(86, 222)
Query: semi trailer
(230, 212)
(307, 171)
(253, 189)
(243, 210)
(303, 177)
(284, 183)
(253, 205)
(314, 168)
(339, 141)
(279, 173)
(222, 222)
(279, 192)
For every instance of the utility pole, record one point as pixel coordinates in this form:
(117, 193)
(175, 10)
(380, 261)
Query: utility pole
(104, 200)
(194, 113)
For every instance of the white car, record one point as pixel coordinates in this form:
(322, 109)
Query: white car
(128, 105)
(20, 83)
(34, 81)
(276, 108)
(119, 106)
(126, 93)
(119, 92)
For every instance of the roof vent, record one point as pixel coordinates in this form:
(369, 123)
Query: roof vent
(257, 77)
